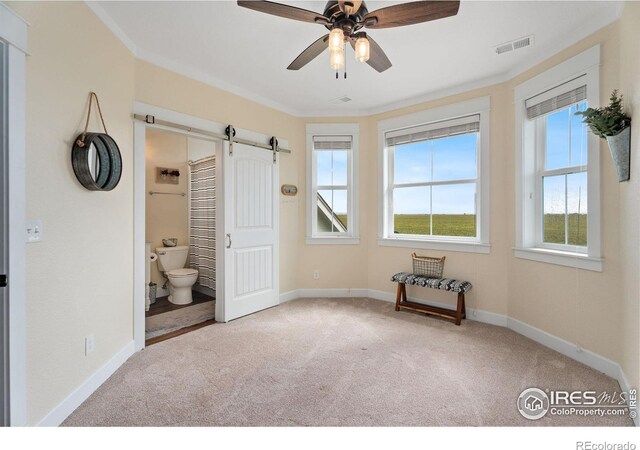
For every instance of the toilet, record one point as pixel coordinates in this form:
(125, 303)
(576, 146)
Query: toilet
(171, 261)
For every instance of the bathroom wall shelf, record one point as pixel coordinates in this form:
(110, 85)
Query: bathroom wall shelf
(182, 194)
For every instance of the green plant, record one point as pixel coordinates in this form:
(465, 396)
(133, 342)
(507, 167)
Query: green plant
(608, 120)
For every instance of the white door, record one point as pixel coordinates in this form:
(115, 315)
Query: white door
(251, 216)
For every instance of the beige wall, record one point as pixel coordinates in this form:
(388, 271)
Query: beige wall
(573, 304)
(629, 225)
(488, 293)
(167, 216)
(160, 87)
(583, 307)
(80, 278)
(83, 229)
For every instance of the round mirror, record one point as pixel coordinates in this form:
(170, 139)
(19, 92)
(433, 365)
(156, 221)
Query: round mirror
(96, 161)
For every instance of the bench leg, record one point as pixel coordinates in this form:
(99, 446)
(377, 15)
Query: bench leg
(398, 296)
(404, 292)
(461, 309)
(464, 307)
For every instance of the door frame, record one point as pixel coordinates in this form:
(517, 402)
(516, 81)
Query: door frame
(139, 196)
(13, 30)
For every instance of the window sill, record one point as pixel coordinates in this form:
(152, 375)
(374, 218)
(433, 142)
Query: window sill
(454, 246)
(577, 260)
(332, 241)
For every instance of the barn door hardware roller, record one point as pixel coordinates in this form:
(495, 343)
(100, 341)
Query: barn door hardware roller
(231, 133)
(274, 146)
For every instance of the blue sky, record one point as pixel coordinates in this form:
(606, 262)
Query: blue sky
(446, 159)
(455, 158)
(332, 171)
(566, 146)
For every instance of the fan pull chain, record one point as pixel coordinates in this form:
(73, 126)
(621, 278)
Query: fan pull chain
(345, 60)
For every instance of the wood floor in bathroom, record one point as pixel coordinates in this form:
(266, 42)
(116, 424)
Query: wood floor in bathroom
(163, 305)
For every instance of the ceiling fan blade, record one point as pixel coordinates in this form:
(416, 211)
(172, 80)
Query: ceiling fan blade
(410, 13)
(377, 57)
(309, 53)
(349, 7)
(289, 12)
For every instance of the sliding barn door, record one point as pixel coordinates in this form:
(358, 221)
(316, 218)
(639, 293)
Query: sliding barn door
(251, 215)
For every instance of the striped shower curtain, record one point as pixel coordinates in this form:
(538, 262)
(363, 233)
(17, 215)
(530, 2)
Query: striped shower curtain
(202, 221)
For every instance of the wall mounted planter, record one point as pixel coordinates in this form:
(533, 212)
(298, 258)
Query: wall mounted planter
(620, 148)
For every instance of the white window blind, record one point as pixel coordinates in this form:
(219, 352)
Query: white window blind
(566, 94)
(332, 142)
(437, 130)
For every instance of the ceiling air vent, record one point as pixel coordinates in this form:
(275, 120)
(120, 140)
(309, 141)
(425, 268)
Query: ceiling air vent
(514, 45)
(340, 100)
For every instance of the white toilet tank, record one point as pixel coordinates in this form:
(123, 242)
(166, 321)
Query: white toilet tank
(172, 258)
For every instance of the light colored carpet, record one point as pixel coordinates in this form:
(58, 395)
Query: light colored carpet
(180, 318)
(337, 362)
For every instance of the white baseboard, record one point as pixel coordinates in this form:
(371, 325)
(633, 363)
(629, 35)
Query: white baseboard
(288, 296)
(332, 293)
(566, 348)
(586, 357)
(58, 414)
(626, 387)
(472, 314)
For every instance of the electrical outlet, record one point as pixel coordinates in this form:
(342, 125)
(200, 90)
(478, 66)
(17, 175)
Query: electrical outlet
(475, 314)
(578, 348)
(316, 274)
(89, 344)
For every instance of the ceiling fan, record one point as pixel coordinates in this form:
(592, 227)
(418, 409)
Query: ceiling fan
(345, 19)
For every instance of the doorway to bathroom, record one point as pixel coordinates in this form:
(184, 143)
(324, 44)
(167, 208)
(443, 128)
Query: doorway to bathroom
(247, 197)
(180, 233)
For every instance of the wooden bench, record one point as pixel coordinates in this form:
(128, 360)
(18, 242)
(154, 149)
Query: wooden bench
(444, 284)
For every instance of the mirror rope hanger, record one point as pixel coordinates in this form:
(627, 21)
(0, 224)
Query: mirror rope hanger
(80, 142)
(97, 151)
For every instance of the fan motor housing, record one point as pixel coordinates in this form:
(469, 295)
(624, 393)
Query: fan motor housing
(339, 19)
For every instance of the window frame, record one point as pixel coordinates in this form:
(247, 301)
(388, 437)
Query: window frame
(351, 236)
(480, 243)
(541, 172)
(530, 169)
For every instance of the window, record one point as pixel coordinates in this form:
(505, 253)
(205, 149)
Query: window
(562, 179)
(558, 166)
(433, 178)
(332, 151)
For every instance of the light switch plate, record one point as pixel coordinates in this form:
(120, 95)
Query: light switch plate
(34, 230)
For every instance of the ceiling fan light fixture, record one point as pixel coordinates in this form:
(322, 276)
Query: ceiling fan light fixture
(362, 49)
(336, 59)
(336, 39)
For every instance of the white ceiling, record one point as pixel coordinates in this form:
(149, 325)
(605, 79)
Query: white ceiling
(247, 52)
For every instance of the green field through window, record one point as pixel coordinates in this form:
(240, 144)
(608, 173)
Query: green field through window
(461, 225)
(554, 229)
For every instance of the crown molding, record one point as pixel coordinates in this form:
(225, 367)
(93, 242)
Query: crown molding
(539, 56)
(203, 77)
(111, 24)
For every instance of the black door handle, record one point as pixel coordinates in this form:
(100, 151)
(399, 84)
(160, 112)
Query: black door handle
(3, 280)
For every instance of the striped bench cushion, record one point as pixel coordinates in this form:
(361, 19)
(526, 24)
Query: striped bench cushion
(445, 284)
